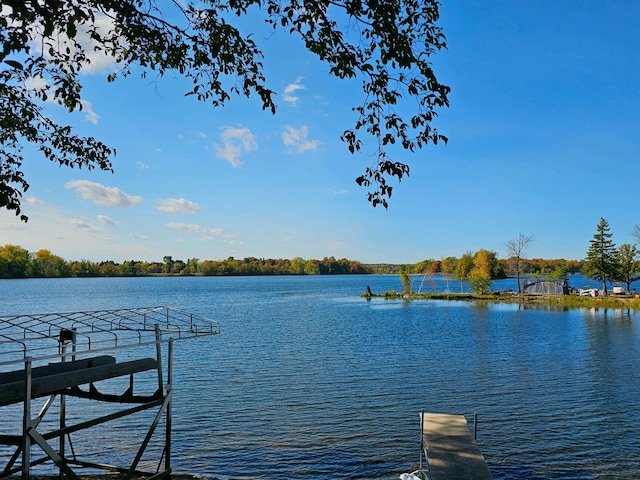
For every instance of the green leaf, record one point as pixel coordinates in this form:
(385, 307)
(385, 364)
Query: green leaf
(14, 64)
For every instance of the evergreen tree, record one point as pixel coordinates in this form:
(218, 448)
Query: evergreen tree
(602, 257)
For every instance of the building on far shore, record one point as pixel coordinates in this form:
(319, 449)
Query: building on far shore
(545, 287)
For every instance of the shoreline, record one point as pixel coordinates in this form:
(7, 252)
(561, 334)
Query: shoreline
(568, 301)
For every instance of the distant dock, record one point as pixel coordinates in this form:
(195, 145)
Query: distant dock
(451, 449)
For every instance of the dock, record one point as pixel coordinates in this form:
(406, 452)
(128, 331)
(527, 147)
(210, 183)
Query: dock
(451, 449)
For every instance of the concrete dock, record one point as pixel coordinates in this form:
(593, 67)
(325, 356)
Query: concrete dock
(452, 452)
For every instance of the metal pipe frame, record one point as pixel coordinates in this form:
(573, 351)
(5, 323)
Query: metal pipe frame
(31, 436)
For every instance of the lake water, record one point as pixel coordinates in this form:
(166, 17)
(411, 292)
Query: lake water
(309, 381)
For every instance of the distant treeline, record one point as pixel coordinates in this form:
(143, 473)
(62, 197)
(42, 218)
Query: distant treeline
(17, 262)
(499, 267)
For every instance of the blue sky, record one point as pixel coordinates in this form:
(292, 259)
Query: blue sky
(543, 134)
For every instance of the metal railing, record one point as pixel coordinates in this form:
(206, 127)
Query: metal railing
(38, 336)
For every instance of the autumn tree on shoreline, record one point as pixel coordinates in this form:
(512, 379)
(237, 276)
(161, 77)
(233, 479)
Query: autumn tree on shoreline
(628, 264)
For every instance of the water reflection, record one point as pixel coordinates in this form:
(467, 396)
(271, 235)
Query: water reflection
(606, 313)
(543, 307)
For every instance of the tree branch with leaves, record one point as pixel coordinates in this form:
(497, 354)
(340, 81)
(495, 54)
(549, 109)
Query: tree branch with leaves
(385, 44)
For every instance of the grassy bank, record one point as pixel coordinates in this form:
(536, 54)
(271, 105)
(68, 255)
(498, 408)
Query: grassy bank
(568, 301)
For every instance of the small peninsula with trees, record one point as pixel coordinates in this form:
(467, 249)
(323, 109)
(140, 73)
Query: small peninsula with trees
(604, 262)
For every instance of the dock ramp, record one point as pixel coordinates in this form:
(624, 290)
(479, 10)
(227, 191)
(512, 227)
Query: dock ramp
(448, 450)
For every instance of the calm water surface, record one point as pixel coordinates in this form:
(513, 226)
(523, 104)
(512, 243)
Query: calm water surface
(308, 380)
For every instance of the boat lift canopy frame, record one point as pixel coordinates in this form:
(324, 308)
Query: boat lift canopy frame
(52, 354)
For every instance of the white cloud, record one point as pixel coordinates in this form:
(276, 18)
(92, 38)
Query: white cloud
(177, 205)
(101, 195)
(31, 200)
(8, 223)
(89, 114)
(290, 90)
(71, 237)
(194, 228)
(99, 61)
(207, 233)
(142, 166)
(136, 236)
(296, 138)
(342, 191)
(87, 226)
(193, 136)
(80, 223)
(230, 153)
(232, 238)
(235, 142)
(36, 83)
(40, 84)
(96, 60)
(107, 220)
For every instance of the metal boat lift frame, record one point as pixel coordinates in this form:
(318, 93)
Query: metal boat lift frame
(57, 353)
